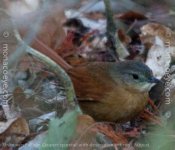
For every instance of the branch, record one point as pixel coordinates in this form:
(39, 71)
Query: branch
(115, 46)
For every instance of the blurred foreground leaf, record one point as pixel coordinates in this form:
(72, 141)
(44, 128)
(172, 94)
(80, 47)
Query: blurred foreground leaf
(61, 132)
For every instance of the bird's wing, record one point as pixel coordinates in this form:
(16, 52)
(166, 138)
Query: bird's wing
(90, 83)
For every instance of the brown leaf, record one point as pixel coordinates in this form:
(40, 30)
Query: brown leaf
(15, 132)
(151, 30)
(131, 16)
(51, 32)
(84, 133)
(125, 39)
(84, 122)
(28, 107)
(21, 100)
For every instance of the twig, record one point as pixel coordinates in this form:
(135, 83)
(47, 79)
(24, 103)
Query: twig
(111, 29)
(115, 46)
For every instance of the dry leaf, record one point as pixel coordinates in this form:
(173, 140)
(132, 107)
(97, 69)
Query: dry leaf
(151, 30)
(14, 131)
(5, 125)
(125, 39)
(51, 31)
(28, 107)
(131, 16)
(84, 122)
(35, 143)
(158, 59)
(84, 134)
(159, 39)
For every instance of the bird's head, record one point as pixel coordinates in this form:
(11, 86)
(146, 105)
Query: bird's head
(134, 74)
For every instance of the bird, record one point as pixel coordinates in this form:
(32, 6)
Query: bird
(112, 91)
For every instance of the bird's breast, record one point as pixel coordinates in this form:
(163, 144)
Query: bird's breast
(119, 105)
(124, 104)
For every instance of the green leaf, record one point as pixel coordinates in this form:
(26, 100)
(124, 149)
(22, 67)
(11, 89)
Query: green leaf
(61, 132)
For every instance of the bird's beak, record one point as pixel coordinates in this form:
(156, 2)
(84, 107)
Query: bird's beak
(154, 80)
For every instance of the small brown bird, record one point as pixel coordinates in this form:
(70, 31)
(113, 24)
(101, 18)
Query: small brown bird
(110, 91)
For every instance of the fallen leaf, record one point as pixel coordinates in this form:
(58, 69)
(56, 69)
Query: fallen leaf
(14, 131)
(29, 108)
(131, 16)
(151, 30)
(124, 38)
(84, 134)
(159, 41)
(158, 59)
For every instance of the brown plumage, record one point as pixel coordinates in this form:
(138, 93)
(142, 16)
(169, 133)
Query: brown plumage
(106, 91)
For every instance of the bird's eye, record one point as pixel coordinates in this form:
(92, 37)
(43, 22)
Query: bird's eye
(135, 76)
